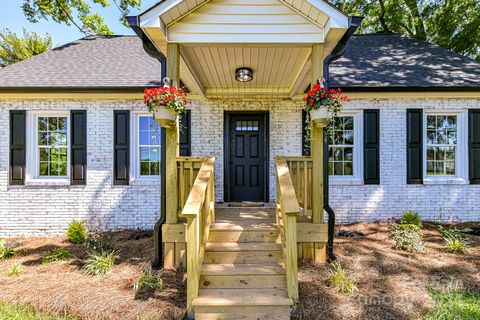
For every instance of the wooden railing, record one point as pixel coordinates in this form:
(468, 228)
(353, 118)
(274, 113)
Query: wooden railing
(301, 173)
(188, 168)
(199, 210)
(287, 211)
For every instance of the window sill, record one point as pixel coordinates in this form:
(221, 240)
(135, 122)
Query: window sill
(48, 182)
(350, 181)
(145, 181)
(444, 181)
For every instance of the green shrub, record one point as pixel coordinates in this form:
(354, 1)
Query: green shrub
(407, 237)
(411, 217)
(99, 242)
(56, 255)
(339, 279)
(15, 269)
(149, 280)
(100, 263)
(455, 239)
(76, 232)
(7, 250)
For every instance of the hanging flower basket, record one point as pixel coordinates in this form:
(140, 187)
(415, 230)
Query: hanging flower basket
(165, 103)
(323, 105)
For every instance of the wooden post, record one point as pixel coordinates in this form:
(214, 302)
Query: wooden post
(316, 136)
(173, 72)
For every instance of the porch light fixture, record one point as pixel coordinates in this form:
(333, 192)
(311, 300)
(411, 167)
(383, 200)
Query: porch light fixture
(244, 74)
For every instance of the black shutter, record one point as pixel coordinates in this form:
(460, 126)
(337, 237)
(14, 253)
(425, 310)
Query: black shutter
(414, 146)
(121, 128)
(78, 120)
(474, 145)
(371, 146)
(305, 146)
(17, 147)
(185, 134)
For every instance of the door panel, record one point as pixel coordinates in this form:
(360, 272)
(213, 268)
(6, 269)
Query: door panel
(247, 142)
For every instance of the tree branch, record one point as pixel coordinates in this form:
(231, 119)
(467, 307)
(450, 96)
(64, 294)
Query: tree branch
(382, 16)
(70, 18)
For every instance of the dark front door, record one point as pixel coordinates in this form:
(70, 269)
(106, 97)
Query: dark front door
(247, 157)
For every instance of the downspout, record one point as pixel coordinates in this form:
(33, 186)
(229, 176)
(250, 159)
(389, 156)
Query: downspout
(150, 49)
(354, 23)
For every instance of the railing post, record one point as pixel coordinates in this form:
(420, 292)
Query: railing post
(292, 256)
(192, 263)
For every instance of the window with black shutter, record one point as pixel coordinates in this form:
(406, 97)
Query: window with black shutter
(474, 145)
(17, 147)
(78, 120)
(371, 146)
(185, 134)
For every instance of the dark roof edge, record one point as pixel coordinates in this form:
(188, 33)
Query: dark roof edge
(74, 89)
(409, 89)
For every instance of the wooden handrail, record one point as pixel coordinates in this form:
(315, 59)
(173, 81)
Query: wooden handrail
(301, 169)
(287, 211)
(188, 168)
(199, 210)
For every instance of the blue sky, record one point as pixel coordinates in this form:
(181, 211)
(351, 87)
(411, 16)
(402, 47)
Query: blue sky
(11, 17)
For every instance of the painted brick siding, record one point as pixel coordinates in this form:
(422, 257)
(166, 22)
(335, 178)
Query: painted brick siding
(40, 209)
(393, 196)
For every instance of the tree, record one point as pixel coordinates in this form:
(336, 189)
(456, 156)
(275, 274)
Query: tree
(452, 24)
(15, 48)
(77, 12)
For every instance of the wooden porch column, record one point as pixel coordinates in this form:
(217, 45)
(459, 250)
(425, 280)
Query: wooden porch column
(319, 249)
(173, 72)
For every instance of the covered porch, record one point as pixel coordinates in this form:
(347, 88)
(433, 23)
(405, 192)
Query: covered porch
(246, 65)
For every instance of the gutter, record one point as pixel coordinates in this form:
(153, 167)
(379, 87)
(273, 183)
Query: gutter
(354, 23)
(152, 51)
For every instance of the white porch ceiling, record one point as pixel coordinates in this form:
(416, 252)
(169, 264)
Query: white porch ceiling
(272, 37)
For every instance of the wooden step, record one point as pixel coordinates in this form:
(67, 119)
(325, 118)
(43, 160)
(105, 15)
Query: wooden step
(243, 276)
(244, 232)
(242, 297)
(243, 313)
(243, 253)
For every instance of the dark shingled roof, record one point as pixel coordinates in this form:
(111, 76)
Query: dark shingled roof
(392, 60)
(373, 61)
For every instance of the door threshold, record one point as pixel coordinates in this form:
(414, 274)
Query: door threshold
(246, 204)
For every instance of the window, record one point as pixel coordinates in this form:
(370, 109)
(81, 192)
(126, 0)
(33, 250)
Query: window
(148, 147)
(341, 146)
(244, 125)
(445, 146)
(441, 145)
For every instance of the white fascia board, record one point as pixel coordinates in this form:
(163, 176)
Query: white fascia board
(337, 18)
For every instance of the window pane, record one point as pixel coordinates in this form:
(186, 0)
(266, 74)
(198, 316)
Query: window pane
(348, 154)
(441, 135)
(431, 122)
(44, 154)
(144, 154)
(144, 168)
(348, 136)
(348, 123)
(52, 123)
(43, 168)
(430, 168)
(52, 133)
(341, 136)
(338, 168)
(154, 154)
(348, 170)
(154, 168)
(63, 168)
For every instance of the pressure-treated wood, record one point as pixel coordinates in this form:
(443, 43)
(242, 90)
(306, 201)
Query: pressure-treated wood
(287, 211)
(199, 212)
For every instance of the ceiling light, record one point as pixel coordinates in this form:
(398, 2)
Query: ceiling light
(244, 74)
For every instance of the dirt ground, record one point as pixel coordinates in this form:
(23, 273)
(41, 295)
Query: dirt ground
(391, 284)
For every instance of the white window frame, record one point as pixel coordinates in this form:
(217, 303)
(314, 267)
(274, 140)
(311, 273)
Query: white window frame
(461, 158)
(135, 151)
(33, 152)
(357, 177)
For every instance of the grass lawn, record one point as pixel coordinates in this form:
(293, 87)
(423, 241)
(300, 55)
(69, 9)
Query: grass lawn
(455, 304)
(10, 312)
(390, 284)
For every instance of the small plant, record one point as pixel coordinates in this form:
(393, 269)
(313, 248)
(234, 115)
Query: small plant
(339, 279)
(411, 217)
(15, 269)
(100, 263)
(99, 242)
(407, 237)
(455, 246)
(149, 280)
(455, 239)
(76, 232)
(58, 254)
(171, 98)
(7, 250)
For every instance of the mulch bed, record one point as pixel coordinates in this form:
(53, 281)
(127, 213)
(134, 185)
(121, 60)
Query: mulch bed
(61, 287)
(391, 284)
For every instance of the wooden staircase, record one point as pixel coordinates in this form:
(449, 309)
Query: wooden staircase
(243, 274)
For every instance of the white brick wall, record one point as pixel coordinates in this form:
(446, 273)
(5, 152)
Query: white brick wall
(48, 209)
(37, 210)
